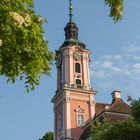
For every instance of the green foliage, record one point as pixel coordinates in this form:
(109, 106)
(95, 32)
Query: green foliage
(122, 130)
(128, 129)
(116, 9)
(135, 108)
(98, 127)
(23, 50)
(47, 136)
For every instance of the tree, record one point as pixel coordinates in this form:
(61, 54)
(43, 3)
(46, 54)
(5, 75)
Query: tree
(23, 49)
(116, 9)
(121, 130)
(47, 136)
(135, 108)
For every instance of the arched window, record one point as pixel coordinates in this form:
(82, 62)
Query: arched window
(77, 68)
(78, 82)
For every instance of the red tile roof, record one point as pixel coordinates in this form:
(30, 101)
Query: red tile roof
(119, 106)
(118, 110)
(100, 107)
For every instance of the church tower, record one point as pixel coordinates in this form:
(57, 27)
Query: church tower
(74, 103)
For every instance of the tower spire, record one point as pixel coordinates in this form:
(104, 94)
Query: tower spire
(71, 29)
(70, 11)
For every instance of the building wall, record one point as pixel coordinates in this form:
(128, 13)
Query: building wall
(79, 103)
(71, 100)
(58, 110)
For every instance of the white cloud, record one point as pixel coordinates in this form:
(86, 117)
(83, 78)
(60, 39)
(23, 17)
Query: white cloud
(107, 64)
(117, 56)
(132, 49)
(99, 74)
(137, 58)
(111, 57)
(106, 57)
(127, 72)
(118, 70)
(125, 63)
(136, 67)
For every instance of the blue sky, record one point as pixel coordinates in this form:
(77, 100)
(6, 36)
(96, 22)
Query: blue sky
(115, 64)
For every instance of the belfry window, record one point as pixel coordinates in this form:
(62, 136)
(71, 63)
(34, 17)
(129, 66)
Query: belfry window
(77, 68)
(78, 82)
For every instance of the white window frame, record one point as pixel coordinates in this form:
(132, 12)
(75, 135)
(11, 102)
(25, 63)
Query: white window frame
(80, 119)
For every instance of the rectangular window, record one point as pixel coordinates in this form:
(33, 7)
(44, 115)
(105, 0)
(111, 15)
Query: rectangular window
(59, 123)
(80, 119)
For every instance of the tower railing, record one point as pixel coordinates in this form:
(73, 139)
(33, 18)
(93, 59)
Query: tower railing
(74, 86)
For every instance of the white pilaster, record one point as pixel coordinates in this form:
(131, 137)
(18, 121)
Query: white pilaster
(92, 106)
(54, 124)
(88, 73)
(63, 68)
(85, 73)
(68, 115)
(71, 66)
(64, 117)
(66, 66)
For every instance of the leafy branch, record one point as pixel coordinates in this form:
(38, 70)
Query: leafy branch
(116, 9)
(23, 50)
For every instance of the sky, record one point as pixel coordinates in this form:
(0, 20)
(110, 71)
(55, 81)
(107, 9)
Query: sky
(115, 64)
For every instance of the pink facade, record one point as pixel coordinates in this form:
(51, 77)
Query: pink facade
(74, 103)
(79, 102)
(74, 100)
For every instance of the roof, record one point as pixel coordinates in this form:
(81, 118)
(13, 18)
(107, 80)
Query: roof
(71, 42)
(100, 107)
(119, 106)
(117, 110)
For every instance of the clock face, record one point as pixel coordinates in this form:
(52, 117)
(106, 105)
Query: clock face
(58, 59)
(77, 55)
